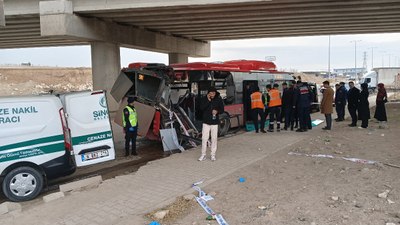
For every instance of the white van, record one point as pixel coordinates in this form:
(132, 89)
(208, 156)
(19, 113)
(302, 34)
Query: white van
(45, 137)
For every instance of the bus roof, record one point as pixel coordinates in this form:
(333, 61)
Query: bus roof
(232, 66)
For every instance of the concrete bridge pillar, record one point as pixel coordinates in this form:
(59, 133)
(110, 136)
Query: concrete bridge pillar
(178, 58)
(106, 65)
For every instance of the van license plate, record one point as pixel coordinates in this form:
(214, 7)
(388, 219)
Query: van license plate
(95, 155)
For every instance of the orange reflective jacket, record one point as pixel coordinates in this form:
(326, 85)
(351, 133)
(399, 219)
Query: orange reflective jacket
(275, 98)
(256, 100)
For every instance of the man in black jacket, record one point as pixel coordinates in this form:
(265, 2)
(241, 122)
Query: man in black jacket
(287, 104)
(353, 97)
(340, 101)
(211, 106)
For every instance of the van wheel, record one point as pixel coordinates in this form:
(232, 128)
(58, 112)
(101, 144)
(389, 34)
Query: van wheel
(22, 184)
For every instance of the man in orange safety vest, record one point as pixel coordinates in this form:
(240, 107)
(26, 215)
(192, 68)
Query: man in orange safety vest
(257, 108)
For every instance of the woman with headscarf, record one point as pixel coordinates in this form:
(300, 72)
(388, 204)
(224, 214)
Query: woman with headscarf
(363, 107)
(381, 99)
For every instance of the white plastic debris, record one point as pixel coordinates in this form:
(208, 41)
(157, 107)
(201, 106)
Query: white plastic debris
(384, 194)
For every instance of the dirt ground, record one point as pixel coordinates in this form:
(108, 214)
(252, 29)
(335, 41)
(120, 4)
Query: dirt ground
(293, 189)
(37, 80)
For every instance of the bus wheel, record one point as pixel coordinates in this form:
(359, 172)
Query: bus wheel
(224, 124)
(22, 184)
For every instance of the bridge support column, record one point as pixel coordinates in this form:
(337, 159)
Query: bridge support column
(178, 58)
(106, 65)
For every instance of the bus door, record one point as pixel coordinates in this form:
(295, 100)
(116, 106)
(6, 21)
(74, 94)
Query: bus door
(248, 88)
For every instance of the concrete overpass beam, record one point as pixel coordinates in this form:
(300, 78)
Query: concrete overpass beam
(2, 14)
(57, 20)
(106, 65)
(178, 58)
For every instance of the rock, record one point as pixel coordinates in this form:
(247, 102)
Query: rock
(390, 201)
(189, 197)
(335, 198)
(390, 224)
(262, 207)
(212, 193)
(346, 217)
(384, 194)
(338, 152)
(382, 135)
(302, 218)
(313, 223)
(161, 214)
(365, 170)
(330, 170)
(358, 205)
(339, 145)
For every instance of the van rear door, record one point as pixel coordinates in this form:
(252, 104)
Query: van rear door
(90, 127)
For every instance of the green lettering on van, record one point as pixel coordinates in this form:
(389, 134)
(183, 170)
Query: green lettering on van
(86, 139)
(30, 152)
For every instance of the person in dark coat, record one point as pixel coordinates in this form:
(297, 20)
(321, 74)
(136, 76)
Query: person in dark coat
(363, 106)
(303, 100)
(287, 104)
(340, 101)
(380, 111)
(212, 107)
(353, 97)
(295, 115)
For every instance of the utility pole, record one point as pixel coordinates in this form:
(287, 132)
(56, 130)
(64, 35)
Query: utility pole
(329, 58)
(355, 57)
(372, 57)
(365, 62)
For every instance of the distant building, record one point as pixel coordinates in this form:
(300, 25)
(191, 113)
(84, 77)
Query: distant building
(350, 72)
(323, 74)
(26, 64)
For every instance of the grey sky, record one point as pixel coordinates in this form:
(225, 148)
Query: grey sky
(295, 53)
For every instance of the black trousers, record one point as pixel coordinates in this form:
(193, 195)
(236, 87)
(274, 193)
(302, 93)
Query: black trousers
(130, 137)
(288, 116)
(256, 113)
(353, 114)
(364, 123)
(274, 113)
(304, 118)
(340, 110)
(328, 119)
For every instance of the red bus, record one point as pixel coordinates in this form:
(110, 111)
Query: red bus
(233, 79)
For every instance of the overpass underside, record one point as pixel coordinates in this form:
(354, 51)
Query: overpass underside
(181, 28)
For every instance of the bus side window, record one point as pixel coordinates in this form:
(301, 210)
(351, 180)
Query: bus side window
(230, 90)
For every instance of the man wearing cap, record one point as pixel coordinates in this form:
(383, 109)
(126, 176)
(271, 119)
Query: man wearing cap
(129, 120)
(211, 106)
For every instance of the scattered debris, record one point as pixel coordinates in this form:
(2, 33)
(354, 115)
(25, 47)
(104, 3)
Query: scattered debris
(384, 194)
(262, 207)
(356, 160)
(161, 214)
(202, 200)
(390, 201)
(241, 179)
(335, 198)
(391, 165)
